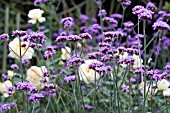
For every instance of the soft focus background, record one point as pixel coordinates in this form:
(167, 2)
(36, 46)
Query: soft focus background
(13, 15)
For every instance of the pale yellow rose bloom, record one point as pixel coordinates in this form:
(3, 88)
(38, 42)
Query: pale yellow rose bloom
(4, 87)
(10, 74)
(35, 74)
(65, 53)
(87, 75)
(36, 15)
(163, 84)
(26, 52)
(166, 92)
(149, 91)
(138, 62)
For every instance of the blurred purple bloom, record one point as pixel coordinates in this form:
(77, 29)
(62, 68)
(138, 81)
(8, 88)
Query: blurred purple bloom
(42, 28)
(26, 86)
(132, 80)
(4, 76)
(68, 79)
(161, 25)
(151, 6)
(125, 88)
(128, 24)
(35, 97)
(110, 20)
(68, 22)
(14, 66)
(83, 18)
(117, 16)
(73, 38)
(88, 107)
(4, 36)
(85, 36)
(102, 12)
(75, 60)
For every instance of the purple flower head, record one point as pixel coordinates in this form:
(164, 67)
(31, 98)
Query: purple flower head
(161, 25)
(73, 38)
(85, 36)
(75, 60)
(145, 14)
(11, 90)
(46, 74)
(94, 20)
(113, 34)
(96, 26)
(167, 68)
(34, 36)
(151, 6)
(128, 24)
(7, 106)
(14, 66)
(117, 16)
(49, 86)
(88, 107)
(26, 86)
(140, 36)
(4, 76)
(19, 33)
(138, 71)
(50, 93)
(83, 18)
(94, 55)
(42, 28)
(68, 22)
(70, 78)
(49, 52)
(35, 97)
(4, 37)
(104, 44)
(102, 12)
(62, 72)
(106, 58)
(110, 20)
(83, 87)
(95, 64)
(61, 38)
(132, 80)
(136, 9)
(25, 62)
(37, 2)
(125, 2)
(125, 88)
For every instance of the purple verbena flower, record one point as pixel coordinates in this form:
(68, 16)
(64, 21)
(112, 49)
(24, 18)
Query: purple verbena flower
(14, 66)
(102, 12)
(85, 36)
(26, 86)
(110, 20)
(161, 25)
(68, 79)
(125, 88)
(75, 60)
(83, 18)
(128, 24)
(117, 16)
(35, 97)
(4, 36)
(151, 6)
(88, 107)
(73, 38)
(68, 22)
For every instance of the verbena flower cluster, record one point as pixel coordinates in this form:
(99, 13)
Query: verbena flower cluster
(106, 63)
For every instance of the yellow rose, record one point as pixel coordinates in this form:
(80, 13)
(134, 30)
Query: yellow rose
(10, 74)
(163, 84)
(138, 62)
(36, 15)
(4, 87)
(14, 47)
(65, 53)
(149, 91)
(87, 75)
(166, 92)
(35, 74)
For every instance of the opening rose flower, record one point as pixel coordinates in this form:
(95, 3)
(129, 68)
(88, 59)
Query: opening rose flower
(4, 87)
(163, 84)
(65, 53)
(35, 75)
(10, 74)
(138, 62)
(15, 47)
(86, 74)
(36, 15)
